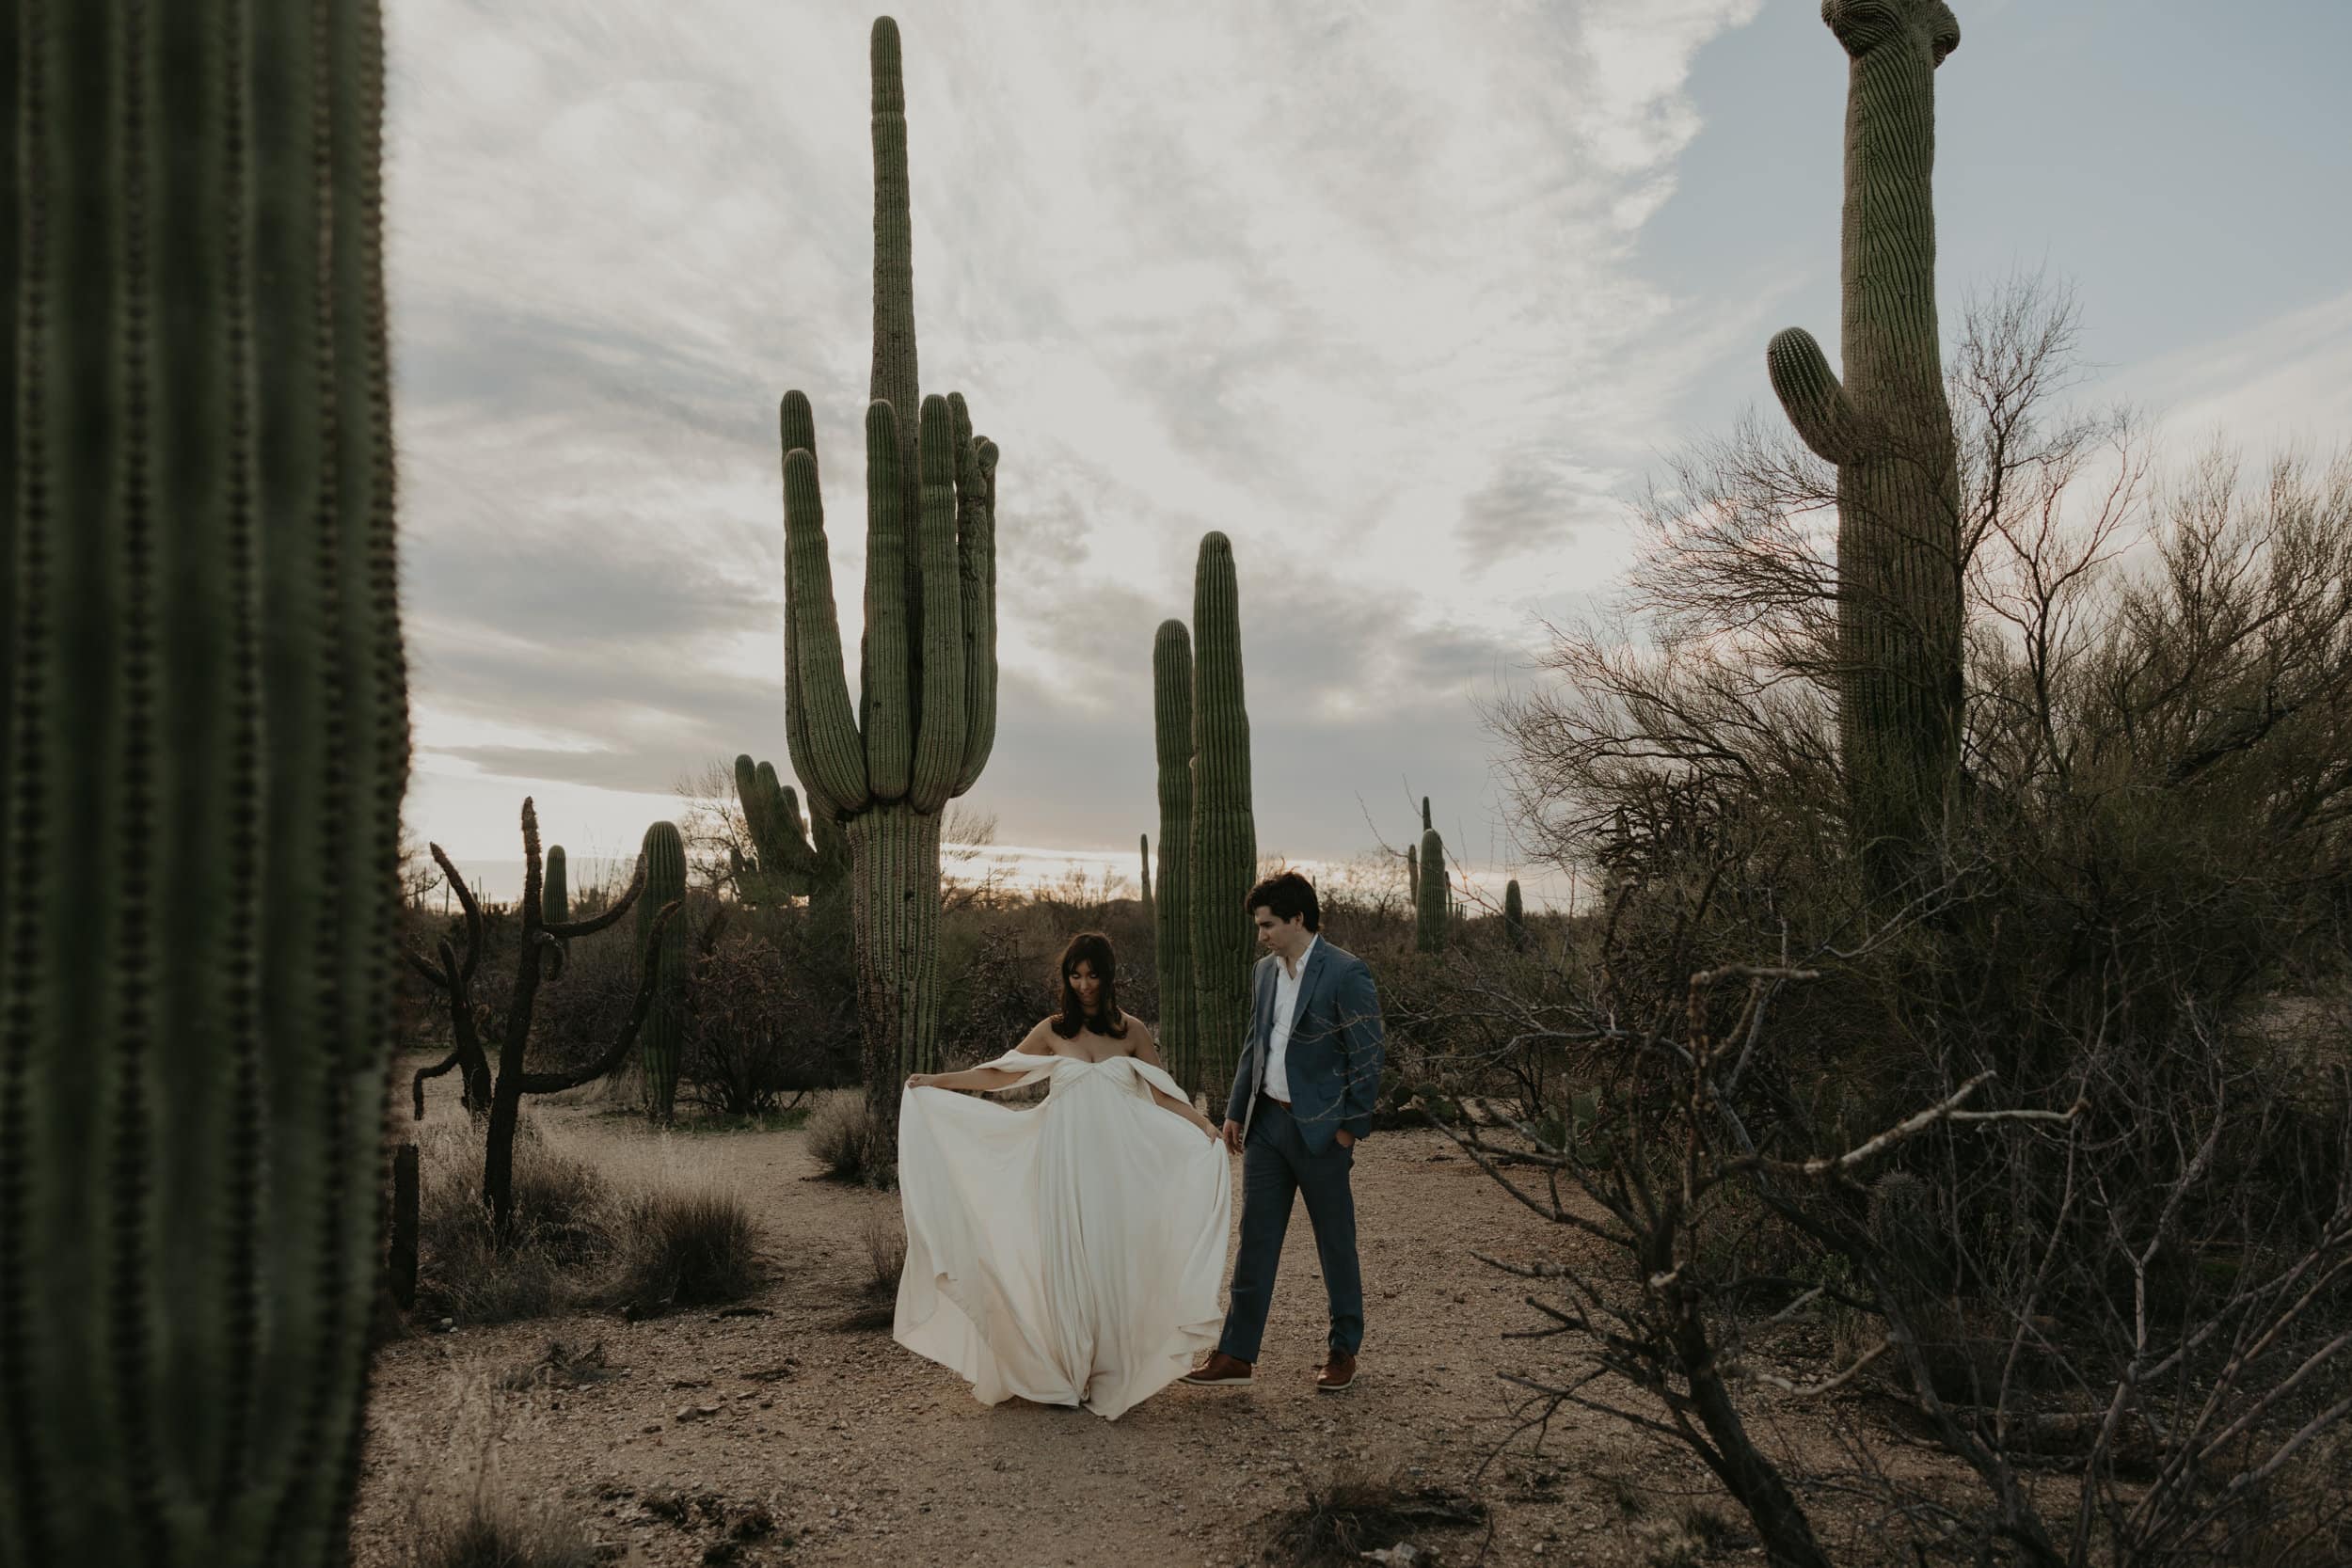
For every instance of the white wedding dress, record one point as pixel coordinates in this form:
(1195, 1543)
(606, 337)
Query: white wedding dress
(1071, 1253)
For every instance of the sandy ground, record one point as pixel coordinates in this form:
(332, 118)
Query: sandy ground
(858, 1451)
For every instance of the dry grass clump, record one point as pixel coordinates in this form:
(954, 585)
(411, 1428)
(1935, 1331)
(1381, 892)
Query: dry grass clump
(1357, 1513)
(686, 1245)
(497, 1533)
(850, 1145)
(563, 1239)
(886, 1240)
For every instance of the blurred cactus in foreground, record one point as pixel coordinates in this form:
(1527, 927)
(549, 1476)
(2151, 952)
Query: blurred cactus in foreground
(204, 744)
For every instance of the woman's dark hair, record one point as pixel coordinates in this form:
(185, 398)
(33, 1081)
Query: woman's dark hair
(1286, 894)
(1093, 949)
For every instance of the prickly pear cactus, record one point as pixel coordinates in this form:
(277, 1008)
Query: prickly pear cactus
(203, 745)
(925, 716)
(1888, 429)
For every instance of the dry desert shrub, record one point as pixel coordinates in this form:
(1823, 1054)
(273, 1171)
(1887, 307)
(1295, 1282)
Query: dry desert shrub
(563, 1229)
(850, 1145)
(1356, 1514)
(499, 1532)
(885, 1239)
(686, 1244)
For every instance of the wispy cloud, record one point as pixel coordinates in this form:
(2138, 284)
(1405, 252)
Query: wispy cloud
(1356, 285)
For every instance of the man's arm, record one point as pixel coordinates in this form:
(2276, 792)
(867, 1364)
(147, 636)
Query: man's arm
(1238, 1102)
(1363, 1048)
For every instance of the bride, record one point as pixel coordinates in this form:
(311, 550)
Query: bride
(1071, 1254)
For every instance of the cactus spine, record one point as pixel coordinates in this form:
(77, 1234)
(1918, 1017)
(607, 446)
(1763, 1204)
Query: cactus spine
(663, 856)
(203, 744)
(1514, 917)
(1889, 431)
(1224, 848)
(555, 901)
(1430, 905)
(1172, 933)
(925, 716)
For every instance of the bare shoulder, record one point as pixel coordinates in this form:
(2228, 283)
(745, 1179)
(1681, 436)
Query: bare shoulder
(1038, 1041)
(1141, 1044)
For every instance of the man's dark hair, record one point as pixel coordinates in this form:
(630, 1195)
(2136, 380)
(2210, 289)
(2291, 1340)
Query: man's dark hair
(1286, 894)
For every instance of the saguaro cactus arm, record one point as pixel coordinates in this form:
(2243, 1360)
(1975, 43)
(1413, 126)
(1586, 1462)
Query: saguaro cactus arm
(617, 1052)
(940, 742)
(1809, 393)
(821, 729)
(976, 565)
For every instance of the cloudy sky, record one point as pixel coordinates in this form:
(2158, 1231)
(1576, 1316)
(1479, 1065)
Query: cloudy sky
(1408, 296)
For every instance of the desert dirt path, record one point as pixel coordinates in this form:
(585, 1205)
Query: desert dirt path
(859, 1451)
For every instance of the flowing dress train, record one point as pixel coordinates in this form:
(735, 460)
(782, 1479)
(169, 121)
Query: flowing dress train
(1071, 1254)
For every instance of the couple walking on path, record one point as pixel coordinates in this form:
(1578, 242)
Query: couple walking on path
(1073, 1254)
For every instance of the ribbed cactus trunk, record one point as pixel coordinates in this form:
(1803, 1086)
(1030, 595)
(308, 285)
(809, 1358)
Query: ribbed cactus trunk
(925, 716)
(1143, 851)
(1224, 832)
(203, 745)
(1514, 916)
(1172, 934)
(1889, 430)
(1431, 892)
(664, 853)
(555, 903)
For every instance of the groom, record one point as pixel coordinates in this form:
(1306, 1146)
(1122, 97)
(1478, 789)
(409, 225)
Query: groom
(1301, 1101)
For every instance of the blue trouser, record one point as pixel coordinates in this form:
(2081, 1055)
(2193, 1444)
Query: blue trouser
(1275, 1164)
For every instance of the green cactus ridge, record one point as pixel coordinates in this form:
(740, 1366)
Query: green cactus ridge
(659, 1043)
(555, 898)
(1224, 847)
(789, 861)
(1172, 933)
(1431, 895)
(925, 720)
(1888, 429)
(203, 744)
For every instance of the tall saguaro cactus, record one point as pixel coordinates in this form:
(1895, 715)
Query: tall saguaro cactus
(1172, 934)
(1514, 917)
(1224, 848)
(1888, 429)
(1143, 850)
(663, 859)
(203, 745)
(925, 715)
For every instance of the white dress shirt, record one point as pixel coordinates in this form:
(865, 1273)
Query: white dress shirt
(1277, 1081)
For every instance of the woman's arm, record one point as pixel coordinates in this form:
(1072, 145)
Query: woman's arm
(985, 1080)
(1148, 1050)
(981, 1078)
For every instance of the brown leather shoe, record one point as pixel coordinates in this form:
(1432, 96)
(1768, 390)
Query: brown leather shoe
(1337, 1373)
(1219, 1370)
